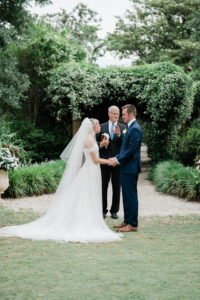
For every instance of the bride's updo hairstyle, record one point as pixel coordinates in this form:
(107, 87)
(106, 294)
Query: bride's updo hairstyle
(94, 122)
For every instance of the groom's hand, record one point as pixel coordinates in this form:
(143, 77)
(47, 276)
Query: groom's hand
(113, 161)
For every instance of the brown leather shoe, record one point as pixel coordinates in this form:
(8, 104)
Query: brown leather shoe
(127, 228)
(120, 226)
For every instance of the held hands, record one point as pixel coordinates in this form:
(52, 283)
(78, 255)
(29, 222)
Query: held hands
(109, 163)
(113, 161)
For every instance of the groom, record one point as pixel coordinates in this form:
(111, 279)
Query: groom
(130, 166)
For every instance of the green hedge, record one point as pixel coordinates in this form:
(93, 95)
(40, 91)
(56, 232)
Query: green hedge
(162, 93)
(35, 180)
(173, 178)
(188, 147)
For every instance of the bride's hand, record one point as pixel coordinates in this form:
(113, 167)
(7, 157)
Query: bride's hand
(109, 163)
(104, 142)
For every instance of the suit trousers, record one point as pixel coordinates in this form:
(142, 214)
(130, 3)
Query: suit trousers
(130, 198)
(112, 173)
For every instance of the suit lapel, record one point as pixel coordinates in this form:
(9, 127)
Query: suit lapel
(128, 130)
(107, 128)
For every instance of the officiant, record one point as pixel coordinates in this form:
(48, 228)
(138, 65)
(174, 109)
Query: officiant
(109, 140)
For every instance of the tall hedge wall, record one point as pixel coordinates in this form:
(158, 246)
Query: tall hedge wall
(162, 93)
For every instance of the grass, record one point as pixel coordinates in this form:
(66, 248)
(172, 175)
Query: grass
(160, 261)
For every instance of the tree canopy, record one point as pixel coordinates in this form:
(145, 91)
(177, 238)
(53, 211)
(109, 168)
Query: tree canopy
(15, 13)
(83, 25)
(48, 74)
(159, 30)
(42, 50)
(14, 18)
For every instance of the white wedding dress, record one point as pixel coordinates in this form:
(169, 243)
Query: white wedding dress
(75, 215)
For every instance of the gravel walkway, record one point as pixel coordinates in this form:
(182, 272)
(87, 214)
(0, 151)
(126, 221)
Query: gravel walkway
(151, 203)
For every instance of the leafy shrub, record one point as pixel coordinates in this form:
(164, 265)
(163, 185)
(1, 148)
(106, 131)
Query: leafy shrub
(188, 147)
(36, 179)
(162, 93)
(40, 143)
(173, 178)
(13, 84)
(33, 144)
(196, 106)
(196, 123)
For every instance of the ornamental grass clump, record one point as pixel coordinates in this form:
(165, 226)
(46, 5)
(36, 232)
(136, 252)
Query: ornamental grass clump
(36, 179)
(173, 178)
(8, 161)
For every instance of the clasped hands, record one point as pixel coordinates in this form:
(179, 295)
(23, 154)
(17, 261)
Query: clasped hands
(113, 161)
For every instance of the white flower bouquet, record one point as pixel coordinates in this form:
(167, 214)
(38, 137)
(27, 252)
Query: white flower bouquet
(105, 136)
(8, 161)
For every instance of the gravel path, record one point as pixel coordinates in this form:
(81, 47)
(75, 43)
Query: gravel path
(151, 203)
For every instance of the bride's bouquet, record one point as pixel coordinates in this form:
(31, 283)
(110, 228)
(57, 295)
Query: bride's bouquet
(105, 136)
(8, 161)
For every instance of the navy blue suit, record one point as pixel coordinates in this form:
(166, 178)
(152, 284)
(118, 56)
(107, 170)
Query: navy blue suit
(130, 167)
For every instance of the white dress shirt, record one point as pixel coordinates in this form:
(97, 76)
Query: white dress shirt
(110, 125)
(129, 123)
(109, 128)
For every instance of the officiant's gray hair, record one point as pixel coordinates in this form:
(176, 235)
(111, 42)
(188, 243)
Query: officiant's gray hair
(112, 107)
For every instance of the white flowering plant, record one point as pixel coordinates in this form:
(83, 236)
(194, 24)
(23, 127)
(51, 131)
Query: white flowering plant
(197, 163)
(8, 161)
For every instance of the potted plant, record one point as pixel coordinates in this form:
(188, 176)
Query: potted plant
(8, 161)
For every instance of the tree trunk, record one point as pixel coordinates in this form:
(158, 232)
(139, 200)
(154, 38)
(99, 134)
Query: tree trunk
(36, 105)
(75, 125)
(31, 105)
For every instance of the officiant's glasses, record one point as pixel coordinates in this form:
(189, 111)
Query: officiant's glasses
(115, 114)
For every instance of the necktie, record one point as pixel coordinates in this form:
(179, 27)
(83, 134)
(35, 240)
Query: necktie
(111, 132)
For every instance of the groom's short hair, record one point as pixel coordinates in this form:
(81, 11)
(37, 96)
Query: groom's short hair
(130, 108)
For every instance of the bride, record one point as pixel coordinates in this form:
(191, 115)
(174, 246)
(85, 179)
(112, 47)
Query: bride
(75, 214)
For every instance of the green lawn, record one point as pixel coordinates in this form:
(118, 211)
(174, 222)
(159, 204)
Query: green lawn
(160, 261)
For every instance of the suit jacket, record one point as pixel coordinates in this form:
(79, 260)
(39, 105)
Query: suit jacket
(114, 145)
(129, 156)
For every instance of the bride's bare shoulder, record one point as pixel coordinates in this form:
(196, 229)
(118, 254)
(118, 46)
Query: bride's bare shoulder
(89, 141)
